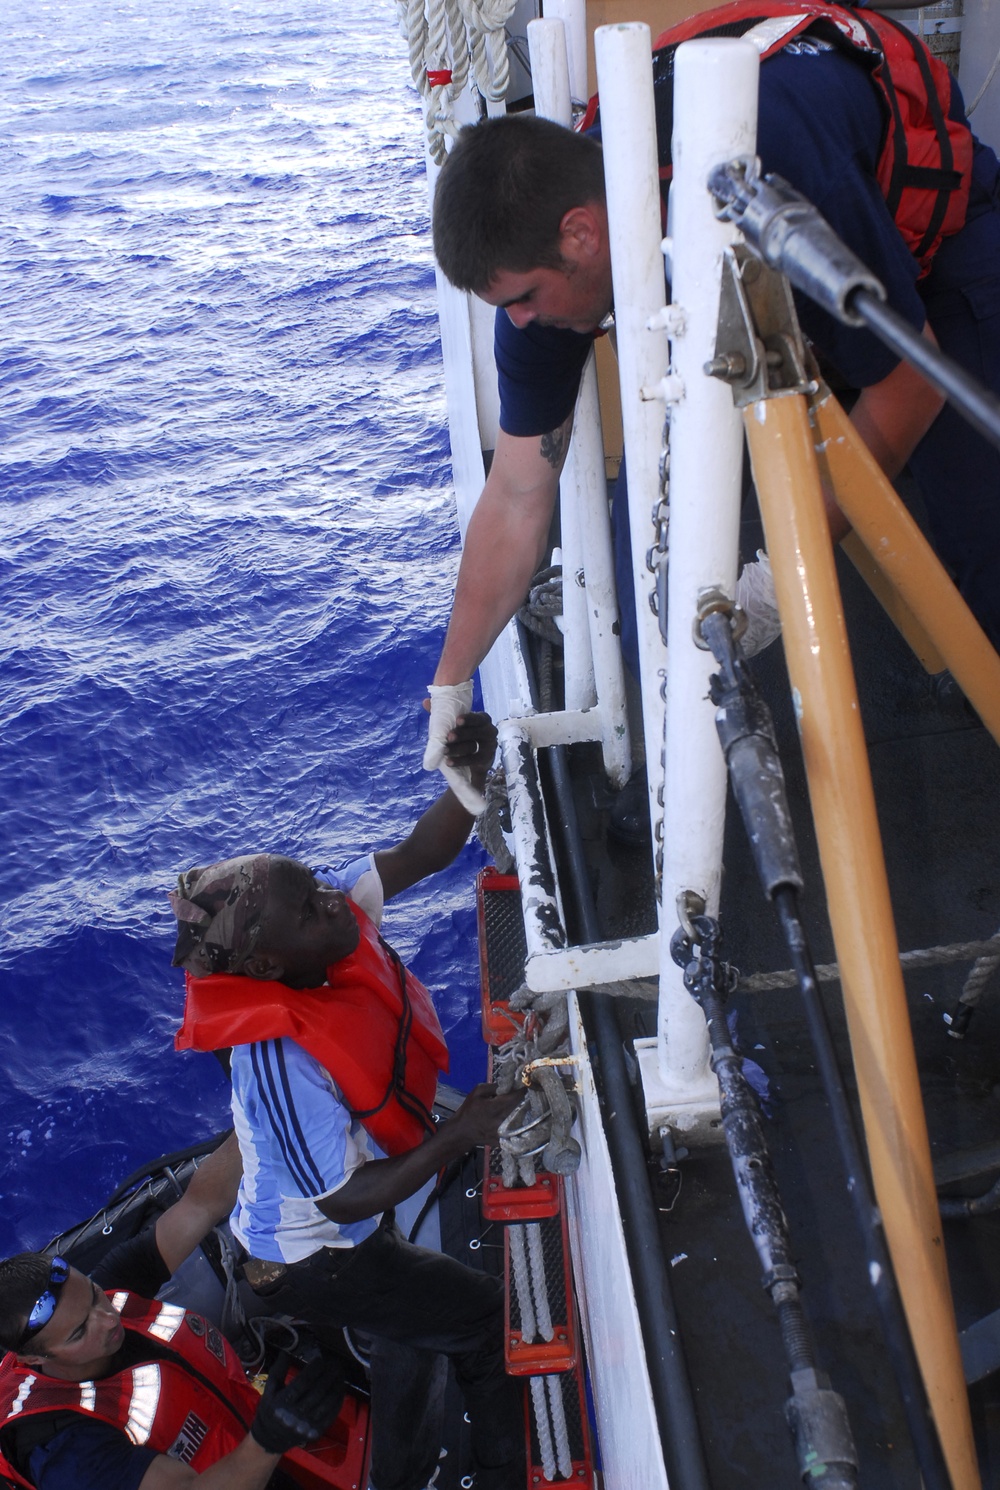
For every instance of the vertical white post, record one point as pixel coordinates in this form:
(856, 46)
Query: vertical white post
(550, 69)
(550, 85)
(590, 610)
(573, 14)
(628, 128)
(715, 119)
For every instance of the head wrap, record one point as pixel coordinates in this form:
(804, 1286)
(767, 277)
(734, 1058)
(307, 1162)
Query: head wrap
(219, 912)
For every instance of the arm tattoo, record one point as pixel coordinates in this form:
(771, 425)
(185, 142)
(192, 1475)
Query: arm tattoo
(554, 445)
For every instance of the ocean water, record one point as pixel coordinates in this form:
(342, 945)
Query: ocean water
(227, 544)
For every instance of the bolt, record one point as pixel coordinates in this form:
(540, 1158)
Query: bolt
(726, 365)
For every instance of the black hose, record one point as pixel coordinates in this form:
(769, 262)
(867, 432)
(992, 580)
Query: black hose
(668, 1378)
(895, 1328)
(974, 402)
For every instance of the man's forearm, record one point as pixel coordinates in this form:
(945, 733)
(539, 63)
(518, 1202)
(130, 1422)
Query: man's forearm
(248, 1467)
(209, 1199)
(382, 1183)
(493, 579)
(892, 418)
(504, 542)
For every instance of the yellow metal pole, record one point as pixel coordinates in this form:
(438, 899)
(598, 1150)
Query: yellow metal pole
(843, 803)
(866, 498)
(892, 603)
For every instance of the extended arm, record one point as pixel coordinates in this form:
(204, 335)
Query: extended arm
(208, 1199)
(382, 1183)
(442, 830)
(248, 1467)
(892, 418)
(504, 544)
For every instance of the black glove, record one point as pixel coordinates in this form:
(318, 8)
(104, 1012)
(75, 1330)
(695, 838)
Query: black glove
(289, 1417)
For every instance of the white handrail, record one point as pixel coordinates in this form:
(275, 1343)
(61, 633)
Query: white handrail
(628, 130)
(593, 663)
(715, 118)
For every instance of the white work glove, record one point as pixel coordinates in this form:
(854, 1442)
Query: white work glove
(449, 701)
(756, 598)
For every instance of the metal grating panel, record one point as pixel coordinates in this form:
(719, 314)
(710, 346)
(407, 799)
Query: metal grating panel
(502, 953)
(536, 1356)
(569, 1387)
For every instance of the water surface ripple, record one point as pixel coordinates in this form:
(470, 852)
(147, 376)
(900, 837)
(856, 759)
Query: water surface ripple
(227, 540)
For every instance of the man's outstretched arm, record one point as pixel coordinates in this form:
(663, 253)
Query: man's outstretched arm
(504, 544)
(382, 1183)
(440, 833)
(892, 417)
(208, 1199)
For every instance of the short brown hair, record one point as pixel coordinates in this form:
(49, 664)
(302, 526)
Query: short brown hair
(503, 193)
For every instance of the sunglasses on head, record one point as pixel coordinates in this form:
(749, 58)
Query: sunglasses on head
(45, 1304)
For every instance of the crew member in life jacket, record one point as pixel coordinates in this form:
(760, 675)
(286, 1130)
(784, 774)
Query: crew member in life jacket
(858, 116)
(336, 1050)
(102, 1389)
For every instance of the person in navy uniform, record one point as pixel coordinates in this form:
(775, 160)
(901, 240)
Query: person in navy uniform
(520, 220)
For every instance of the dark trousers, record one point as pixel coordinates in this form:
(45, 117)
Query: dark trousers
(427, 1305)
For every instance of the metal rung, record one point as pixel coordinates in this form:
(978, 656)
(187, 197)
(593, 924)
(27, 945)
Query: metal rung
(534, 1356)
(501, 953)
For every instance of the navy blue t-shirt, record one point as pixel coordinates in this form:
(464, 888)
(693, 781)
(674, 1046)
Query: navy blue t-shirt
(820, 125)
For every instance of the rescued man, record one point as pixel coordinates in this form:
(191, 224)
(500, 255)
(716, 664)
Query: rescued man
(520, 220)
(336, 1051)
(117, 1393)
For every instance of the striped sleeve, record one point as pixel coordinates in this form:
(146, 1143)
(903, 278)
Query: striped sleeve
(300, 1129)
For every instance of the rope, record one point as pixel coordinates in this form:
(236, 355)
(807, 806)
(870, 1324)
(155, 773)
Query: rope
(541, 1411)
(522, 1282)
(982, 970)
(829, 972)
(539, 1286)
(559, 1427)
(495, 820)
(446, 39)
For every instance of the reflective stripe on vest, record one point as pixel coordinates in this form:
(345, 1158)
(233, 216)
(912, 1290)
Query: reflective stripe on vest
(194, 1404)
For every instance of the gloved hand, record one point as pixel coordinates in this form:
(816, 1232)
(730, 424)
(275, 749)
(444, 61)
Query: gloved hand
(449, 701)
(289, 1417)
(756, 598)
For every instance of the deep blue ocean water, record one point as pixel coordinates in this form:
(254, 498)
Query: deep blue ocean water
(227, 544)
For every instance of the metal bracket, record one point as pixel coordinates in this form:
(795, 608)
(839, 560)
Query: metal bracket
(759, 349)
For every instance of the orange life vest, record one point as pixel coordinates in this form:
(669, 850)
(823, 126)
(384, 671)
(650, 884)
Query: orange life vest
(195, 1405)
(925, 163)
(372, 1026)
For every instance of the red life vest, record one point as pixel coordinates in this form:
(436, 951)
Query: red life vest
(925, 163)
(372, 1026)
(196, 1407)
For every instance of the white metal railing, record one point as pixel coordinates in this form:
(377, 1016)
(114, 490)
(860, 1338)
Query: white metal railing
(593, 662)
(715, 118)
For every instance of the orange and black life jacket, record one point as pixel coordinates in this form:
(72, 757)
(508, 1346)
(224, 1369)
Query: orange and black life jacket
(190, 1399)
(372, 1025)
(925, 163)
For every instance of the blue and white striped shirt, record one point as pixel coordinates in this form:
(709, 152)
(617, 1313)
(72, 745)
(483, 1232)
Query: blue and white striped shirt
(298, 1139)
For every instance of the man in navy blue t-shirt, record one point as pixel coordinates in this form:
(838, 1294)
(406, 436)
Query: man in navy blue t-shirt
(821, 127)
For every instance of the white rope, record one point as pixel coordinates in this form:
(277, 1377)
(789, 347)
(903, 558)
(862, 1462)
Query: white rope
(989, 78)
(448, 37)
(559, 1429)
(541, 1411)
(539, 1288)
(522, 1282)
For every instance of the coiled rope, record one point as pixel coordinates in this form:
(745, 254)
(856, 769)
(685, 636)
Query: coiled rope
(446, 40)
